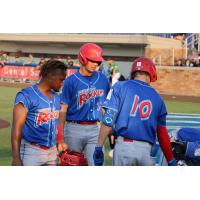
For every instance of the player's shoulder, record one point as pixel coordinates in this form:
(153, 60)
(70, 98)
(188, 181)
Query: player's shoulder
(100, 78)
(27, 90)
(71, 78)
(100, 74)
(156, 94)
(126, 83)
(120, 85)
(140, 83)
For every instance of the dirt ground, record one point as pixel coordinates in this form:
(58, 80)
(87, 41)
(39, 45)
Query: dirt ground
(16, 85)
(193, 99)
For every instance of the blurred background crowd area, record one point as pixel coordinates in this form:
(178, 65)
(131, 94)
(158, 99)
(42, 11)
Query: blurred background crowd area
(165, 49)
(23, 59)
(109, 68)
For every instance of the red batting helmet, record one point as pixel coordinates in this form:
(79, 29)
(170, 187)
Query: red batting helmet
(145, 65)
(90, 51)
(72, 158)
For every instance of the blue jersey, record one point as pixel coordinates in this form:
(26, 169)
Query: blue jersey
(41, 123)
(84, 96)
(140, 109)
(192, 137)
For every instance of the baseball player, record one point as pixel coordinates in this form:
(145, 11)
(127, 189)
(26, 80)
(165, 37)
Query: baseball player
(137, 113)
(186, 146)
(82, 96)
(35, 118)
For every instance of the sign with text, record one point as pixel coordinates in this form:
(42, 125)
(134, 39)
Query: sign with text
(9, 71)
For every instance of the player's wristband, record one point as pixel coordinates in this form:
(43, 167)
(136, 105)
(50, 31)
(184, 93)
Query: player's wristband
(172, 163)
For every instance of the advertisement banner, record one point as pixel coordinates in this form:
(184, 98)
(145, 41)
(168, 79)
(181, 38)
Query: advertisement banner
(19, 72)
(23, 72)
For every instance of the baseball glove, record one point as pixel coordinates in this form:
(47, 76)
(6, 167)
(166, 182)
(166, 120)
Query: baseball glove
(179, 149)
(72, 158)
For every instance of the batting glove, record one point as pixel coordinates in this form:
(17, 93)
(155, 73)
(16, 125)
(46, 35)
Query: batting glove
(98, 156)
(172, 163)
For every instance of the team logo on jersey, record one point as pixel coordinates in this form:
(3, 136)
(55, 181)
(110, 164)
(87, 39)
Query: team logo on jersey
(85, 95)
(45, 117)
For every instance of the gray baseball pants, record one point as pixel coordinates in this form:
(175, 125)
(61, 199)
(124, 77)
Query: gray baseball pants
(82, 138)
(32, 155)
(136, 153)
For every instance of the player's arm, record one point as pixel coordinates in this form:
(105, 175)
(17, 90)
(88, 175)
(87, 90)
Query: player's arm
(60, 128)
(62, 116)
(106, 129)
(165, 144)
(104, 132)
(61, 145)
(19, 118)
(107, 124)
(98, 155)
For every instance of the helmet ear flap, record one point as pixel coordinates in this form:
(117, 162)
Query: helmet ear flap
(82, 59)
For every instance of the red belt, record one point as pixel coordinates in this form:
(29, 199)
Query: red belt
(84, 122)
(127, 140)
(41, 147)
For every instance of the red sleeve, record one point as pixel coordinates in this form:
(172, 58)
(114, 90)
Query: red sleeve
(60, 137)
(164, 142)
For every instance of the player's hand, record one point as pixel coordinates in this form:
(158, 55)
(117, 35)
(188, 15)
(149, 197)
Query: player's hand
(61, 146)
(98, 156)
(17, 162)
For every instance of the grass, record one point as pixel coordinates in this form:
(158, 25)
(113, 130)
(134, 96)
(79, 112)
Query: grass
(182, 107)
(6, 106)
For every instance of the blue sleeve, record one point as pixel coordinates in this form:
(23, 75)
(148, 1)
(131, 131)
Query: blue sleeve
(162, 114)
(66, 92)
(113, 98)
(23, 98)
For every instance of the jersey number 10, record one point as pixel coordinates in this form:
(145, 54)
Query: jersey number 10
(144, 107)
